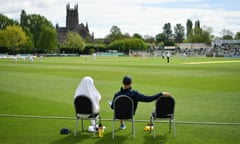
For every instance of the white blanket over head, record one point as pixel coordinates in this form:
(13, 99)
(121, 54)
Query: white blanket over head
(86, 87)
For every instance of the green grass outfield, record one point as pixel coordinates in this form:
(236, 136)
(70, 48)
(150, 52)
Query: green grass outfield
(207, 99)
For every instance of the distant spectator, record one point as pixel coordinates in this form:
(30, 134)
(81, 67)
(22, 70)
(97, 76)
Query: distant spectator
(15, 58)
(31, 59)
(168, 57)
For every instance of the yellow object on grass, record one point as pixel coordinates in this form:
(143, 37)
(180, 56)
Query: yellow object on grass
(148, 128)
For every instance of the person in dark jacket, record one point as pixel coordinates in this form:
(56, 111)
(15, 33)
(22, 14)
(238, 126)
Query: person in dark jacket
(136, 96)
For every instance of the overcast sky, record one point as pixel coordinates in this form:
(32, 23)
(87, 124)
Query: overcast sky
(145, 17)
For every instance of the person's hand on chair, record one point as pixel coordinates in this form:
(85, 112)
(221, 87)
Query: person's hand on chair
(166, 94)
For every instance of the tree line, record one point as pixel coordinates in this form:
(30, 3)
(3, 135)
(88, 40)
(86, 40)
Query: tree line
(35, 34)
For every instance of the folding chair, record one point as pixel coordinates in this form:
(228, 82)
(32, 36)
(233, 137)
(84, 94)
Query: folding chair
(123, 108)
(164, 110)
(84, 110)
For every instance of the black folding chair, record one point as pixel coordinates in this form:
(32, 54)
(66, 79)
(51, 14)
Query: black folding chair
(164, 110)
(84, 110)
(123, 108)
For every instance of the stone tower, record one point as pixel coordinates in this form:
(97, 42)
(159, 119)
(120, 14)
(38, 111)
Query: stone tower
(72, 17)
(72, 25)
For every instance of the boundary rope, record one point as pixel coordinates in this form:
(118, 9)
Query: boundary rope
(73, 118)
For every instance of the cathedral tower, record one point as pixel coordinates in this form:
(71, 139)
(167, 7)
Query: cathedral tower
(72, 17)
(72, 25)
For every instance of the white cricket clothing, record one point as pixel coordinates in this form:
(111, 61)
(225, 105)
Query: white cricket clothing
(86, 87)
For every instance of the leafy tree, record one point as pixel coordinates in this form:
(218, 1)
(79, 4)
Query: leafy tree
(206, 37)
(91, 48)
(24, 22)
(166, 36)
(225, 32)
(237, 36)
(15, 37)
(167, 31)
(100, 47)
(125, 45)
(74, 41)
(28, 46)
(47, 39)
(3, 39)
(161, 37)
(149, 39)
(32, 24)
(197, 28)
(198, 35)
(23, 19)
(189, 27)
(178, 33)
(136, 35)
(115, 34)
(126, 35)
(115, 31)
(227, 37)
(5, 21)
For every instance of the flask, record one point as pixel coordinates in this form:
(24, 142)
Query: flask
(100, 128)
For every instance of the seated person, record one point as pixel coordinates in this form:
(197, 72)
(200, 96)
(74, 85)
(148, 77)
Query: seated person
(135, 95)
(86, 87)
